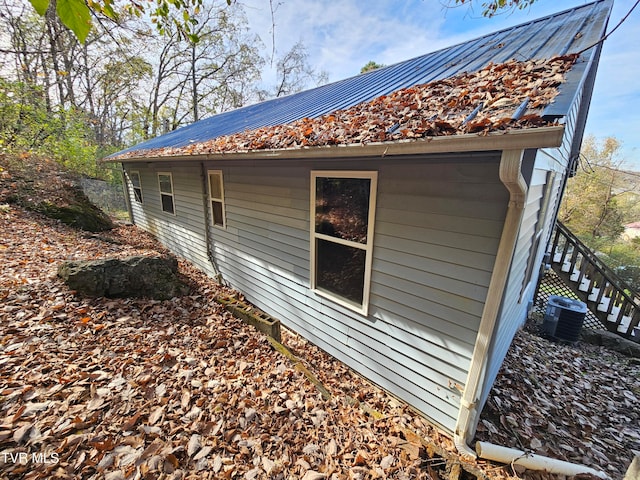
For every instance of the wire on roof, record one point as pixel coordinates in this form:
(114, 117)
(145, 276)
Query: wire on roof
(473, 114)
(521, 109)
(606, 35)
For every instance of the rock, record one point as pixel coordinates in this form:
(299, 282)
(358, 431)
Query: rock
(611, 341)
(151, 277)
(44, 186)
(79, 212)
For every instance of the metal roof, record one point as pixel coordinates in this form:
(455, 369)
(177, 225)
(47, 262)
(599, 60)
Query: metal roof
(570, 31)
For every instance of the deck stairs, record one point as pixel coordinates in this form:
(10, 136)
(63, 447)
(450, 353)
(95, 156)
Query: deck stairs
(614, 303)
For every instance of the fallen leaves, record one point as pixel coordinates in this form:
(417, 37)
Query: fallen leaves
(170, 389)
(497, 97)
(180, 389)
(576, 403)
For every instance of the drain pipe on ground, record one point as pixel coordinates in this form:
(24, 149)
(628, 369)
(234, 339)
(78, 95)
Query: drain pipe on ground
(532, 461)
(511, 177)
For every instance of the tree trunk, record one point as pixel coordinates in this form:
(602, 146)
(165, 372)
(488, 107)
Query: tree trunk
(194, 84)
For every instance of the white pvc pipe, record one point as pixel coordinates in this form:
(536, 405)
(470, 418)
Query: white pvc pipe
(532, 461)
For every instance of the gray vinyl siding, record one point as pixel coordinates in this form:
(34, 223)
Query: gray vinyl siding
(434, 248)
(438, 224)
(519, 291)
(183, 232)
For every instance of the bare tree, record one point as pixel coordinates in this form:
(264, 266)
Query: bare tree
(127, 80)
(493, 7)
(294, 73)
(214, 74)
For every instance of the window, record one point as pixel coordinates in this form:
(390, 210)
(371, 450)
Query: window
(166, 192)
(537, 234)
(343, 206)
(216, 198)
(137, 185)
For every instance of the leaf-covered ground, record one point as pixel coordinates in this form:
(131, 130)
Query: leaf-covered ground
(121, 388)
(577, 403)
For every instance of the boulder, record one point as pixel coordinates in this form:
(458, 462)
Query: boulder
(150, 277)
(611, 341)
(78, 212)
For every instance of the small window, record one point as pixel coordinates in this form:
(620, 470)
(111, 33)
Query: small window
(216, 198)
(537, 234)
(137, 186)
(166, 192)
(343, 206)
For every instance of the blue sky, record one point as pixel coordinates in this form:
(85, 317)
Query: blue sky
(342, 36)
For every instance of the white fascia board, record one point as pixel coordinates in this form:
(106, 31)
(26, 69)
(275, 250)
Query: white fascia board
(541, 137)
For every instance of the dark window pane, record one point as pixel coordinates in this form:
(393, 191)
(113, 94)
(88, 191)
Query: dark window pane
(215, 185)
(167, 203)
(135, 179)
(340, 270)
(165, 184)
(216, 208)
(342, 207)
(137, 192)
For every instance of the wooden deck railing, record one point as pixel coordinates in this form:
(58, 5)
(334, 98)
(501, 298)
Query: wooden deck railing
(615, 304)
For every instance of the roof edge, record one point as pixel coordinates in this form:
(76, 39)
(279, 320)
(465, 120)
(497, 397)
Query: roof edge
(540, 137)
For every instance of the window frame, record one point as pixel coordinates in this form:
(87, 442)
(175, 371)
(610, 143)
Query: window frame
(137, 198)
(372, 176)
(170, 194)
(541, 222)
(219, 200)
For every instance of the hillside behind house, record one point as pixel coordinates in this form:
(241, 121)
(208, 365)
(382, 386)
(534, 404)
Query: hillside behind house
(40, 184)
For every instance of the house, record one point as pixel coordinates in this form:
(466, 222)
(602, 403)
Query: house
(631, 231)
(396, 219)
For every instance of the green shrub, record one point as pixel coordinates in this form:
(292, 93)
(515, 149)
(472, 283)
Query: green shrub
(28, 124)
